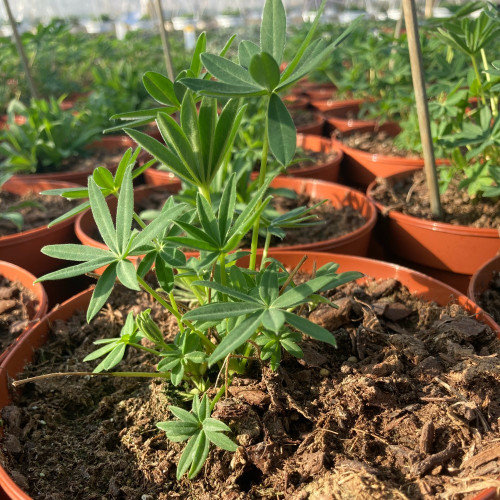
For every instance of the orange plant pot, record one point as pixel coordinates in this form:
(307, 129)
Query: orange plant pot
(340, 118)
(447, 247)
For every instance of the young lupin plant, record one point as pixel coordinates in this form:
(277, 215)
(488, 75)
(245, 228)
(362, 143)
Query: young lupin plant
(241, 313)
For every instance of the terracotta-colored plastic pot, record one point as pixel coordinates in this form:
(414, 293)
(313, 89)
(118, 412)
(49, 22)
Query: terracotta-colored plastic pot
(23, 249)
(448, 247)
(344, 118)
(361, 167)
(294, 101)
(85, 227)
(16, 273)
(109, 143)
(320, 91)
(481, 278)
(417, 283)
(315, 126)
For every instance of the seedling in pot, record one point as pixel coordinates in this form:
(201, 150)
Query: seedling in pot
(237, 314)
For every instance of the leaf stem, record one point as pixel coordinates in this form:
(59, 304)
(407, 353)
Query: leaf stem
(262, 178)
(147, 349)
(478, 77)
(494, 99)
(17, 383)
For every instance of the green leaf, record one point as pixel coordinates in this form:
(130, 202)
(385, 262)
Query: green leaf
(163, 155)
(102, 291)
(112, 359)
(200, 455)
(127, 275)
(246, 50)
(227, 291)
(227, 71)
(160, 88)
(103, 178)
(71, 251)
(282, 131)
(178, 431)
(273, 320)
(165, 275)
(102, 216)
(214, 425)
(218, 311)
(236, 337)
(309, 328)
(125, 211)
(273, 29)
(207, 218)
(189, 125)
(265, 71)
(184, 415)
(207, 120)
(101, 351)
(221, 441)
(221, 89)
(187, 455)
(201, 46)
(75, 210)
(226, 207)
(77, 270)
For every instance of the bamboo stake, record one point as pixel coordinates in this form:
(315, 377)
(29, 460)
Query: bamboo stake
(20, 50)
(164, 40)
(417, 74)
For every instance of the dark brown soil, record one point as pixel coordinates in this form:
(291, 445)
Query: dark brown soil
(406, 407)
(380, 143)
(410, 196)
(46, 210)
(17, 306)
(490, 298)
(302, 117)
(95, 158)
(306, 159)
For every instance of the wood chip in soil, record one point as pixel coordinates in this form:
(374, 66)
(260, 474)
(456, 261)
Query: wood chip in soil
(407, 406)
(410, 196)
(45, 210)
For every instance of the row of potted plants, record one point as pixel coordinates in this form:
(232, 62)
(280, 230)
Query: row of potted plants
(239, 321)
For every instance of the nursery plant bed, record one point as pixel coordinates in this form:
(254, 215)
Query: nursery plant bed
(106, 151)
(450, 245)
(396, 411)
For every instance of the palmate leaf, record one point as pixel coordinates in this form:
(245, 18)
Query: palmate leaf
(309, 328)
(160, 88)
(227, 71)
(265, 71)
(102, 291)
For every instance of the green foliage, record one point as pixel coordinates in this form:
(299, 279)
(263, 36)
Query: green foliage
(39, 138)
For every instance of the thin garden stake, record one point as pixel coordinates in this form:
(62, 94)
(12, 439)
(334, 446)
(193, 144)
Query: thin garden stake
(20, 49)
(164, 40)
(417, 74)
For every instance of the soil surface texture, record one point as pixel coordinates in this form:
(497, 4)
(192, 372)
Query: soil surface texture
(377, 143)
(38, 212)
(17, 305)
(303, 117)
(410, 196)
(407, 407)
(490, 298)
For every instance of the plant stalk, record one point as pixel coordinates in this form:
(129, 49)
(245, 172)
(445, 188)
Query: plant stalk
(494, 99)
(262, 178)
(20, 50)
(164, 41)
(478, 77)
(17, 383)
(417, 73)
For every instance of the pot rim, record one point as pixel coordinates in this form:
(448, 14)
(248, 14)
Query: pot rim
(443, 227)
